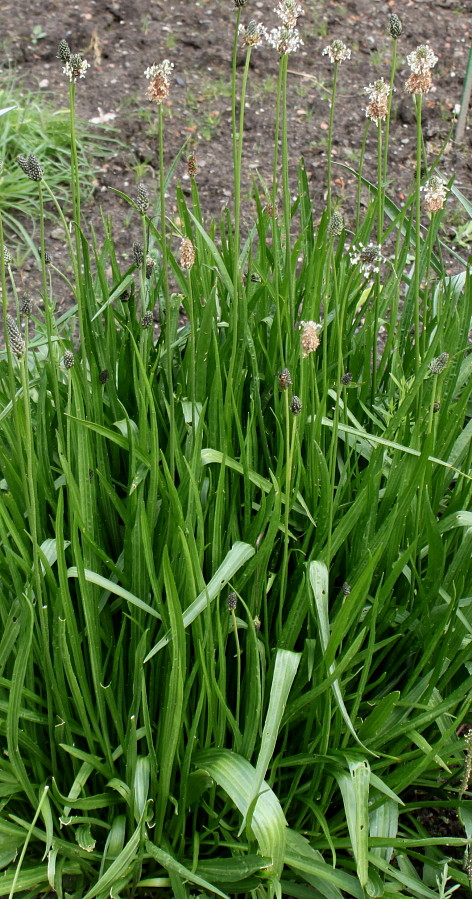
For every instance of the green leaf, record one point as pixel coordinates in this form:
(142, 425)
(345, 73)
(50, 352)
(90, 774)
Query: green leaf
(237, 777)
(238, 555)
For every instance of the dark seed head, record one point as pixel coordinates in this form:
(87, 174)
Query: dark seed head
(346, 378)
(17, 344)
(346, 589)
(104, 376)
(439, 363)
(232, 602)
(138, 254)
(147, 320)
(68, 359)
(296, 405)
(336, 225)
(63, 51)
(142, 199)
(27, 305)
(150, 263)
(395, 26)
(23, 163)
(34, 170)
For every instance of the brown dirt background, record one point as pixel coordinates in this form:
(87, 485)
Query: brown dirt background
(120, 39)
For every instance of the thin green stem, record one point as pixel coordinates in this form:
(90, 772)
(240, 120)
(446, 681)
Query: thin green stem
(167, 300)
(330, 137)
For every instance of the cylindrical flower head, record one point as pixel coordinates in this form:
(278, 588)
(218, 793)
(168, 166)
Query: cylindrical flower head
(336, 225)
(150, 263)
(147, 320)
(63, 51)
(23, 163)
(395, 26)
(142, 199)
(309, 338)
(231, 602)
(104, 376)
(346, 378)
(296, 405)
(346, 589)
(7, 257)
(159, 77)
(34, 170)
(419, 83)
(187, 253)
(439, 363)
(17, 344)
(285, 379)
(68, 359)
(138, 253)
(192, 167)
(240, 3)
(27, 306)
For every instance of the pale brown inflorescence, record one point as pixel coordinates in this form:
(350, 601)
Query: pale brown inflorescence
(421, 61)
(310, 340)
(434, 194)
(159, 77)
(187, 253)
(377, 108)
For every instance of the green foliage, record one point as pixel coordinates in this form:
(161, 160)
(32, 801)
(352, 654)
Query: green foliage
(155, 736)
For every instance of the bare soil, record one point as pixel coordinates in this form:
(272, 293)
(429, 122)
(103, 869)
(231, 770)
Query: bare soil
(120, 38)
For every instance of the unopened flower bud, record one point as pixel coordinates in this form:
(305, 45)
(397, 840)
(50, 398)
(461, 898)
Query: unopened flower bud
(34, 170)
(346, 378)
(138, 254)
(7, 257)
(439, 363)
(63, 51)
(68, 359)
(346, 589)
(17, 344)
(150, 263)
(23, 163)
(27, 306)
(104, 376)
(296, 405)
(395, 26)
(232, 602)
(257, 624)
(142, 199)
(336, 225)
(147, 320)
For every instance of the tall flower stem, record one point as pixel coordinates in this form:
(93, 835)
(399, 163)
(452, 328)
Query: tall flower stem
(49, 315)
(165, 288)
(275, 229)
(239, 315)
(389, 101)
(286, 190)
(419, 100)
(330, 136)
(380, 222)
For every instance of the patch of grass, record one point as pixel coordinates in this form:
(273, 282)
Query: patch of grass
(235, 545)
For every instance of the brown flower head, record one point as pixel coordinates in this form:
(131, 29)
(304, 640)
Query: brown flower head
(310, 340)
(434, 194)
(187, 253)
(377, 108)
(419, 83)
(253, 34)
(159, 78)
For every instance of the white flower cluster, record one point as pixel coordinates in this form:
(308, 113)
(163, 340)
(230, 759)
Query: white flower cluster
(285, 38)
(288, 11)
(422, 59)
(434, 194)
(337, 52)
(370, 258)
(75, 68)
(377, 108)
(162, 69)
